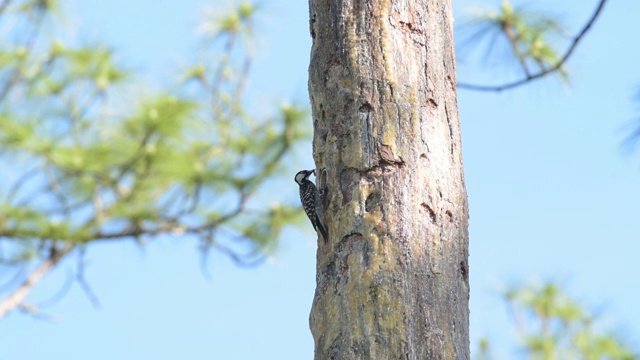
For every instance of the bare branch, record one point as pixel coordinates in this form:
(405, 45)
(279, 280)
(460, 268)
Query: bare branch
(16, 299)
(83, 282)
(37, 313)
(544, 72)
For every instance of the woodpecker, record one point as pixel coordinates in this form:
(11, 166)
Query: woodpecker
(310, 198)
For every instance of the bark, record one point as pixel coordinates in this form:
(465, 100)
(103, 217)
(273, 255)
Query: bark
(392, 283)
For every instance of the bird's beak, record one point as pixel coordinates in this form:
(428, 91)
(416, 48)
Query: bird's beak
(313, 171)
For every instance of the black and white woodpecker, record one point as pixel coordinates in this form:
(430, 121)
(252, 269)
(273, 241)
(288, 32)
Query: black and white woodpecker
(310, 198)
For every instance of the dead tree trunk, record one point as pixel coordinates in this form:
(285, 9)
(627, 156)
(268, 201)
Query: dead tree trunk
(392, 283)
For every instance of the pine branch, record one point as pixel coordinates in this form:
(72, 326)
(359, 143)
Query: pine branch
(544, 72)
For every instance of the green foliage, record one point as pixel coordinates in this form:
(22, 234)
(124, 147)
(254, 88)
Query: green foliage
(552, 325)
(531, 37)
(87, 168)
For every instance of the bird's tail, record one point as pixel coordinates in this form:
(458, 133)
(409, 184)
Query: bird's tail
(322, 230)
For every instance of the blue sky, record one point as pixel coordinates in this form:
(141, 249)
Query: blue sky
(551, 191)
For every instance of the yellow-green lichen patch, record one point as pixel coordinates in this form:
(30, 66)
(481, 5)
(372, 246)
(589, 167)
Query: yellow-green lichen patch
(390, 128)
(352, 154)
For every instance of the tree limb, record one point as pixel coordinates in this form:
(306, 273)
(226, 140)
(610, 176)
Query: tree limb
(16, 299)
(544, 72)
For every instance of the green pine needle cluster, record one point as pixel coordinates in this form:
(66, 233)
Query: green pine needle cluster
(532, 38)
(553, 326)
(84, 167)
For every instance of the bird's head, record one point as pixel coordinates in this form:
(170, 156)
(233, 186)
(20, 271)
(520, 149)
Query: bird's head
(304, 175)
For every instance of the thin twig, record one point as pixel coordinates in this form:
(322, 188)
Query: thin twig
(17, 185)
(37, 313)
(61, 293)
(513, 40)
(242, 81)
(29, 45)
(91, 295)
(544, 72)
(58, 192)
(240, 260)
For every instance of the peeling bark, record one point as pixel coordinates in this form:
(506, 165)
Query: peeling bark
(393, 281)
